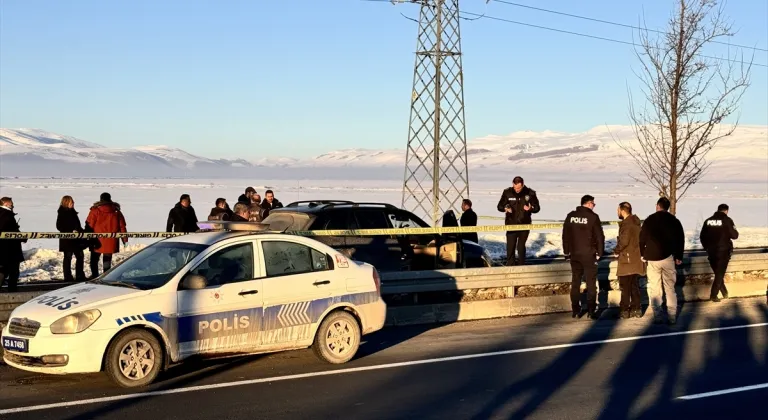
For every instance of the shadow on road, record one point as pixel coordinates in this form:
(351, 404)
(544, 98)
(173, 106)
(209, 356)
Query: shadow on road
(176, 377)
(731, 359)
(534, 390)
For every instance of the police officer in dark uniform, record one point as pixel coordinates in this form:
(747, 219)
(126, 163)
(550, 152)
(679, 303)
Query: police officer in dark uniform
(583, 244)
(716, 238)
(518, 202)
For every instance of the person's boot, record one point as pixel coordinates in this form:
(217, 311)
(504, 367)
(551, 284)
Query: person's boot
(624, 314)
(714, 299)
(575, 311)
(637, 313)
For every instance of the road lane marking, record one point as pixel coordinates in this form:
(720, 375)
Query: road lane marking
(364, 369)
(722, 392)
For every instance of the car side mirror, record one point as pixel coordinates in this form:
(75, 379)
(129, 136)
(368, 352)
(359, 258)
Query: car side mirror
(194, 282)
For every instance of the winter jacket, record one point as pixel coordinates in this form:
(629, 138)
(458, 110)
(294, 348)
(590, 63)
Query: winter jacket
(628, 248)
(218, 213)
(106, 217)
(258, 213)
(238, 218)
(517, 201)
(10, 249)
(244, 199)
(182, 219)
(469, 218)
(718, 233)
(67, 222)
(662, 236)
(276, 204)
(583, 234)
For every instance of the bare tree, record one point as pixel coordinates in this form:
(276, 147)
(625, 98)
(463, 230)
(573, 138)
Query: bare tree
(688, 95)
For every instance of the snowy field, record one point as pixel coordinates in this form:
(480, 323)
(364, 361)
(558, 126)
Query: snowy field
(145, 203)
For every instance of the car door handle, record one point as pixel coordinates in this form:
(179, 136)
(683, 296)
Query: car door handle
(248, 292)
(318, 283)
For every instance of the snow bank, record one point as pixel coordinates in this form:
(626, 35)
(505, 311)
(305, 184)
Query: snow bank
(42, 264)
(46, 264)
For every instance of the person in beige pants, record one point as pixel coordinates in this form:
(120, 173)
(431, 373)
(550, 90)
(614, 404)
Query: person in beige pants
(662, 243)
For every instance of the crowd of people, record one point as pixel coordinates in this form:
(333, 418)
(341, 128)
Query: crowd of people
(249, 207)
(652, 248)
(105, 216)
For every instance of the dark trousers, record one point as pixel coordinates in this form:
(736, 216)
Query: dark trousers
(95, 263)
(79, 264)
(516, 241)
(11, 273)
(630, 292)
(586, 267)
(719, 263)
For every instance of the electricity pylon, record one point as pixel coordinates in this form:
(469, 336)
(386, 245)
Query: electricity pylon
(436, 175)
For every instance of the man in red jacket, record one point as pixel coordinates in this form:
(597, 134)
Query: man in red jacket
(105, 217)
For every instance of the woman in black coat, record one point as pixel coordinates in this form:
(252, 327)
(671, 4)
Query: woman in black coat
(68, 222)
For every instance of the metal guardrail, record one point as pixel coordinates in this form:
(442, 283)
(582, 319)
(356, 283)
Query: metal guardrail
(531, 275)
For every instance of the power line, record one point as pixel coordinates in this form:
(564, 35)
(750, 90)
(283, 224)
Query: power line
(617, 41)
(562, 31)
(608, 22)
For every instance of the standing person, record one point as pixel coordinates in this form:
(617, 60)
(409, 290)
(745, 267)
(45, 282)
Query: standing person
(631, 266)
(717, 237)
(518, 202)
(182, 217)
(221, 211)
(11, 255)
(270, 202)
(583, 245)
(67, 222)
(105, 217)
(246, 198)
(468, 218)
(257, 213)
(662, 243)
(241, 213)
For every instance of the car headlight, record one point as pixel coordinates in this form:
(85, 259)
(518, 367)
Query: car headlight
(75, 323)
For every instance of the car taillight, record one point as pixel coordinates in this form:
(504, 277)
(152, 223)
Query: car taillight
(376, 280)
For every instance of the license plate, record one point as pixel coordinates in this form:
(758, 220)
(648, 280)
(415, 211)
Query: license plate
(20, 345)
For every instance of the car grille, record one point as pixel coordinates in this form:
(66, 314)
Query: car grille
(23, 327)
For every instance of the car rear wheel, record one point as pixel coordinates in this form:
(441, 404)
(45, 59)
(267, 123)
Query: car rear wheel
(337, 338)
(134, 358)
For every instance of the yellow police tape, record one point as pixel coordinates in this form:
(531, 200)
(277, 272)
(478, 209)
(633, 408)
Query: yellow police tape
(337, 232)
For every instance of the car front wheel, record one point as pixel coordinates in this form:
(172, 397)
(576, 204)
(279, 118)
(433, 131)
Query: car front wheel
(134, 358)
(338, 338)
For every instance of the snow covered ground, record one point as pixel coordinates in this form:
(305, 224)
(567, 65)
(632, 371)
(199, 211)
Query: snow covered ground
(146, 202)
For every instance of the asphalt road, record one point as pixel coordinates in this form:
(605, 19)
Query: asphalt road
(547, 367)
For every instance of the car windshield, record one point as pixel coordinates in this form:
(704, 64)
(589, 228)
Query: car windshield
(153, 266)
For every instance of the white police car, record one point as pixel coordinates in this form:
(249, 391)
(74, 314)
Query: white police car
(212, 294)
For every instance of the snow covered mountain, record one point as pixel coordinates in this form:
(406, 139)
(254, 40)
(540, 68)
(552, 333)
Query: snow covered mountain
(594, 153)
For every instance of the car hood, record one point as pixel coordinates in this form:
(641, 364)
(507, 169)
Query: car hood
(53, 305)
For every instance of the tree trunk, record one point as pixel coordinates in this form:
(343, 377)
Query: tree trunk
(673, 194)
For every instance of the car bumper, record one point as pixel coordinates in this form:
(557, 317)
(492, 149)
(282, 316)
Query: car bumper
(374, 316)
(77, 353)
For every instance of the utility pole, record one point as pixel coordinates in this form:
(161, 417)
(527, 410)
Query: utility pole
(436, 176)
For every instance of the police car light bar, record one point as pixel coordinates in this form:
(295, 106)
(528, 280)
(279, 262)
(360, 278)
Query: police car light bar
(233, 226)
